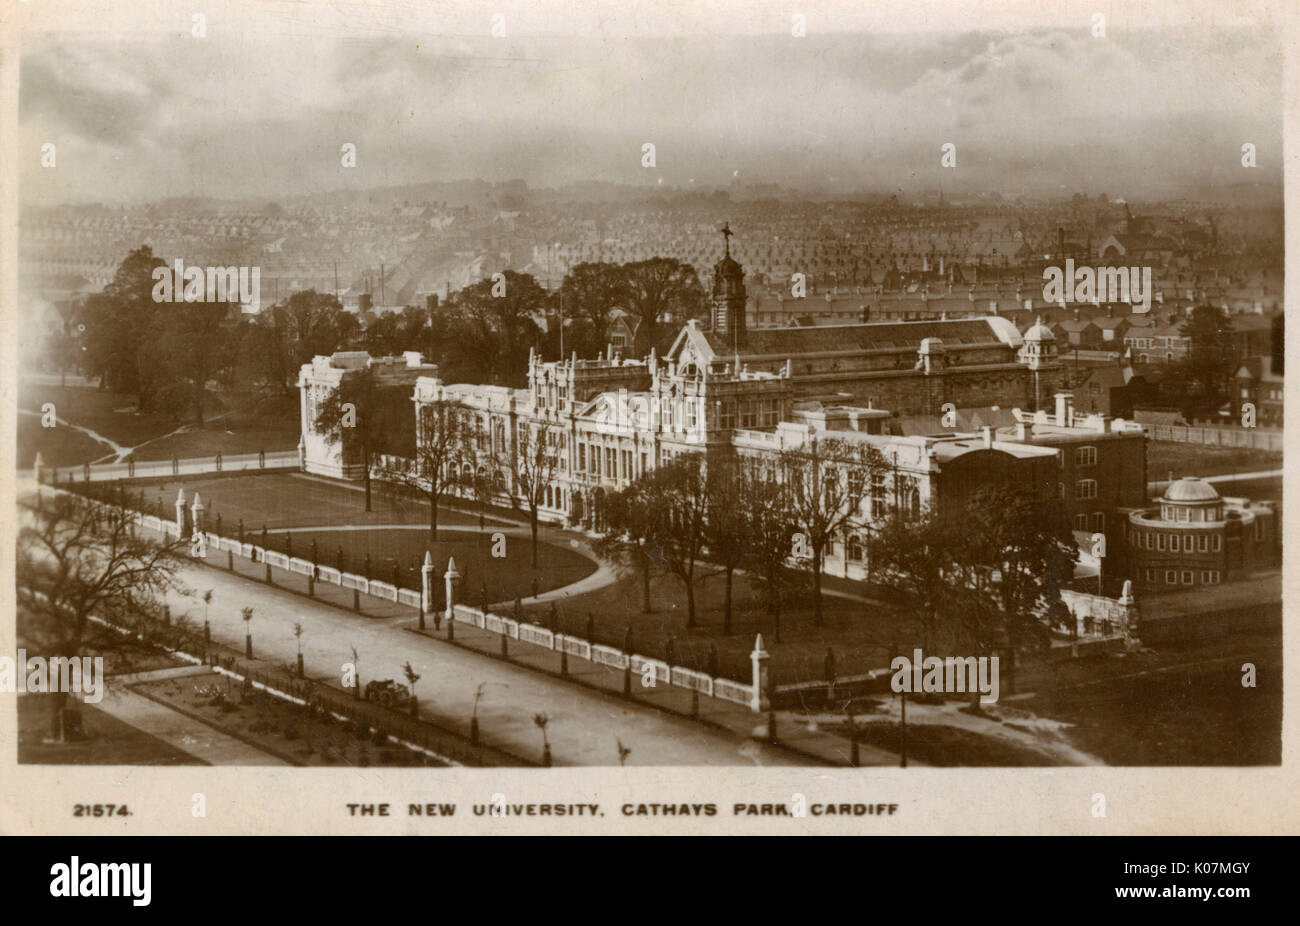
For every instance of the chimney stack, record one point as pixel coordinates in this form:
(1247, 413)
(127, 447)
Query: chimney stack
(1063, 402)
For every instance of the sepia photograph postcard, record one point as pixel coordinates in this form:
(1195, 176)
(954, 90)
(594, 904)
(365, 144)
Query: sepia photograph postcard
(585, 417)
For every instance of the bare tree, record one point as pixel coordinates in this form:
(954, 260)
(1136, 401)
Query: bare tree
(532, 462)
(768, 543)
(727, 523)
(481, 482)
(826, 482)
(78, 558)
(443, 429)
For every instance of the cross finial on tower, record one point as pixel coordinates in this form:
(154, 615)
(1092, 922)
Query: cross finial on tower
(726, 238)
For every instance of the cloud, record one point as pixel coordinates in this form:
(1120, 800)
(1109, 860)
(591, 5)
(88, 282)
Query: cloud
(253, 114)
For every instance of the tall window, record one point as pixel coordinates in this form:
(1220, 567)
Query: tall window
(1085, 488)
(877, 497)
(728, 414)
(771, 412)
(1085, 456)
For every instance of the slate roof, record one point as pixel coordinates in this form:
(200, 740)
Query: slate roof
(825, 338)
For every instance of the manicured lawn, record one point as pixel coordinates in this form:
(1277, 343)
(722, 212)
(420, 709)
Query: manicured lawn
(505, 577)
(58, 446)
(284, 499)
(113, 415)
(859, 633)
(214, 439)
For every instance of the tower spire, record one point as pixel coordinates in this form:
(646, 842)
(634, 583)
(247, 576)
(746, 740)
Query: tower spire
(726, 238)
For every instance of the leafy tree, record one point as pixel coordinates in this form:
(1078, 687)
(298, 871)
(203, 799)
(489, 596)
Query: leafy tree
(915, 556)
(982, 575)
(495, 327)
(629, 516)
(366, 417)
(1024, 552)
(677, 498)
(392, 333)
(659, 287)
(291, 332)
(589, 292)
(1204, 378)
(120, 324)
(197, 342)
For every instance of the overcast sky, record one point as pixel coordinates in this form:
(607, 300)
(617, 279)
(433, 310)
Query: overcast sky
(141, 109)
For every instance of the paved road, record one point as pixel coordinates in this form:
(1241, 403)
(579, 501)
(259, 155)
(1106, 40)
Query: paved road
(584, 725)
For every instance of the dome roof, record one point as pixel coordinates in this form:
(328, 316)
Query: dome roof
(1039, 332)
(1191, 489)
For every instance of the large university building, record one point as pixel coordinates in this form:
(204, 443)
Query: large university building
(723, 390)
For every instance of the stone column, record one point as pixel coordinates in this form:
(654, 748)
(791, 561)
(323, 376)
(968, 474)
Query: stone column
(196, 512)
(758, 700)
(453, 581)
(426, 587)
(180, 512)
